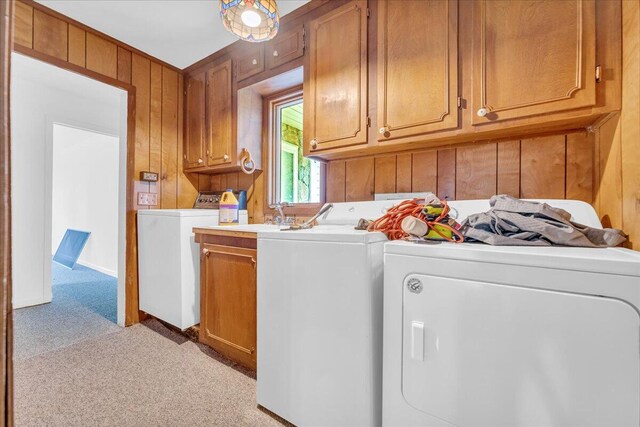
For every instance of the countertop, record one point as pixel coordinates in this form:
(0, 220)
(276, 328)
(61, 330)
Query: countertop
(248, 231)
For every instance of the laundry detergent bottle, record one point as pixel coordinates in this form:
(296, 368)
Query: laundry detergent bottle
(229, 208)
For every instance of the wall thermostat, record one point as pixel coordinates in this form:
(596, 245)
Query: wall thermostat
(149, 176)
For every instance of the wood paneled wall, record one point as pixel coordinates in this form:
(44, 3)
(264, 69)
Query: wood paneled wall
(617, 141)
(555, 166)
(158, 89)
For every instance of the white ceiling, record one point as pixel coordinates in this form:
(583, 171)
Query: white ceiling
(179, 32)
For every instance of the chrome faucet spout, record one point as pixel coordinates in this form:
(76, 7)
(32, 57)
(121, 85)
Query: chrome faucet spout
(278, 207)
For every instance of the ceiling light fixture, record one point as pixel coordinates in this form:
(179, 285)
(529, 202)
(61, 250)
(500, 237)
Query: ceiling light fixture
(251, 20)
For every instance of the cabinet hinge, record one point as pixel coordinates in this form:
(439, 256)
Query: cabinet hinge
(598, 73)
(459, 102)
(304, 39)
(368, 12)
(368, 121)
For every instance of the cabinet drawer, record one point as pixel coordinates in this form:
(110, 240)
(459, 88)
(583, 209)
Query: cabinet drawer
(250, 62)
(286, 47)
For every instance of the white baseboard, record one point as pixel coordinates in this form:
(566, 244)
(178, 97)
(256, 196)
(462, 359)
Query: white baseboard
(92, 266)
(29, 302)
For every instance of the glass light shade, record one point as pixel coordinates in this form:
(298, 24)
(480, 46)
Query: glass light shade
(251, 20)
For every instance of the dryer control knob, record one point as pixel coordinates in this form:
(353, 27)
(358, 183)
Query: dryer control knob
(414, 285)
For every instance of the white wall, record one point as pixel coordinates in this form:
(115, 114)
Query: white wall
(85, 193)
(41, 95)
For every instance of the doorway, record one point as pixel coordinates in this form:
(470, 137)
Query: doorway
(69, 152)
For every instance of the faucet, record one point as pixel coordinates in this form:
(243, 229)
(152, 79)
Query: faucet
(280, 219)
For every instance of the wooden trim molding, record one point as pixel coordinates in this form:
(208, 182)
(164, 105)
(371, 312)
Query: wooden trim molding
(6, 322)
(73, 68)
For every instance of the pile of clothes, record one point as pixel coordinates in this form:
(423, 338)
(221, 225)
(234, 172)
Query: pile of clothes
(515, 222)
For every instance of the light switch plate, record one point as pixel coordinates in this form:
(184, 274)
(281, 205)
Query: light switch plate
(149, 176)
(147, 199)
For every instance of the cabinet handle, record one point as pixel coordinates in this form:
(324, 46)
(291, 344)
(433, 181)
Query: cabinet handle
(275, 53)
(482, 112)
(225, 157)
(384, 130)
(314, 144)
(200, 161)
(205, 252)
(254, 62)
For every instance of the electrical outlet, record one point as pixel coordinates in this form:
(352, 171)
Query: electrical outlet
(147, 199)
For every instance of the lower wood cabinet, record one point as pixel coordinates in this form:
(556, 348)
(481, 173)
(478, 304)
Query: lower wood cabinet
(228, 299)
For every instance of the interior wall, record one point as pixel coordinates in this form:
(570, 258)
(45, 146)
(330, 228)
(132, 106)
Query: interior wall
(89, 204)
(158, 93)
(158, 126)
(36, 104)
(617, 141)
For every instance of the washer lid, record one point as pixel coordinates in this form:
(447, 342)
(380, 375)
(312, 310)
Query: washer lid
(325, 233)
(598, 260)
(179, 212)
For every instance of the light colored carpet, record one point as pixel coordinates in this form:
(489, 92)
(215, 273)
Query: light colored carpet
(83, 306)
(144, 375)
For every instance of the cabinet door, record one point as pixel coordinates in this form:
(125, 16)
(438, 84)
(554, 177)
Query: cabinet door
(195, 129)
(219, 114)
(417, 67)
(532, 57)
(286, 47)
(336, 79)
(251, 61)
(228, 302)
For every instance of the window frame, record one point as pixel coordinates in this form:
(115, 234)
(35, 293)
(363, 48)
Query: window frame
(271, 131)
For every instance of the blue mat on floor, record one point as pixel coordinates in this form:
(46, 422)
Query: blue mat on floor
(71, 247)
(94, 290)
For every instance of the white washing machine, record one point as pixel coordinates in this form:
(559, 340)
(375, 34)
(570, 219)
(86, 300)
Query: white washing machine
(169, 262)
(476, 335)
(320, 320)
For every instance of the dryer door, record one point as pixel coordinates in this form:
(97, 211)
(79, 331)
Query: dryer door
(487, 354)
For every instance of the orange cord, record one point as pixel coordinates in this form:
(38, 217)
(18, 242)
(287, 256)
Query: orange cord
(390, 223)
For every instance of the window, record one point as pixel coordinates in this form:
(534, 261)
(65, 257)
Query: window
(293, 178)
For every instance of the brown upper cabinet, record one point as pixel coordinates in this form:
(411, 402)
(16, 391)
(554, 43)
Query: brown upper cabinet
(209, 119)
(442, 72)
(335, 82)
(286, 47)
(532, 57)
(195, 124)
(251, 61)
(417, 67)
(219, 114)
